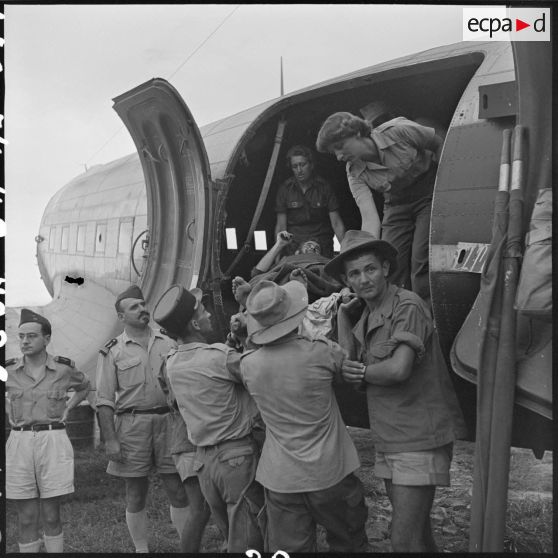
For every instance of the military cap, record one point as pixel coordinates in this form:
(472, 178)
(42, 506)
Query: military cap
(176, 307)
(132, 291)
(30, 316)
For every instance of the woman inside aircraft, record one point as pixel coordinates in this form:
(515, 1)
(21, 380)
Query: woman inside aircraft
(306, 205)
(397, 158)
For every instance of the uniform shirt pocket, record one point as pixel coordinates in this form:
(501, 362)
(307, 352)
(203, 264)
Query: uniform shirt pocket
(380, 351)
(130, 372)
(56, 403)
(16, 404)
(407, 157)
(235, 457)
(296, 213)
(318, 211)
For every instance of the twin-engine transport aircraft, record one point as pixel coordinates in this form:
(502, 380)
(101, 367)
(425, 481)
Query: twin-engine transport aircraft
(179, 209)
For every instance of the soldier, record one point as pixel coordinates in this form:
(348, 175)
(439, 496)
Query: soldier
(220, 415)
(136, 438)
(308, 458)
(183, 453)
(39, 454)
(394, 355)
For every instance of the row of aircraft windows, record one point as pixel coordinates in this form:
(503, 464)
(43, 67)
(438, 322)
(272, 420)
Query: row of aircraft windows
(260, 240)
(124, 238)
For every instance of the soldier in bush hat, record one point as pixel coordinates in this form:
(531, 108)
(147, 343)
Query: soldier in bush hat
(394, 354)
(220, 416)
(133, 413)
(39, 454)
(308, 458)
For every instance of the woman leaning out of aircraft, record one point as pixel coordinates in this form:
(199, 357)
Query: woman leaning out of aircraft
(397, 158)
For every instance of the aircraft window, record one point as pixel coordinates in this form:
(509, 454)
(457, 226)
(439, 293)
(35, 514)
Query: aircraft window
(231, 239)
(125, 237)
(52, 238)
(261, 240)
(65, 238)
(81, 238)
(100, 238)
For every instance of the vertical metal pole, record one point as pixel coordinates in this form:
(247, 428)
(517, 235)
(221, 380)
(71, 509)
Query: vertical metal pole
(490, 313)
(505, 378)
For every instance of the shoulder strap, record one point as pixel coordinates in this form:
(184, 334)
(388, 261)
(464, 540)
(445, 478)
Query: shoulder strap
(65, 360)
(105, 350)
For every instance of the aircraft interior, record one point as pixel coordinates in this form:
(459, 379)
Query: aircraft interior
(429, 91)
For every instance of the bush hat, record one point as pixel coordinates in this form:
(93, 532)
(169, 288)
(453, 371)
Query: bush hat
(355, 241)
(176, 307)
(274, 310)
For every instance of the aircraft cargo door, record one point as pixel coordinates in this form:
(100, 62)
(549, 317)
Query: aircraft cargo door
(178, 182)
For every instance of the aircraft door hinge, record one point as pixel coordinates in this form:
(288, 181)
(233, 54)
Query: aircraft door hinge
(145, 243)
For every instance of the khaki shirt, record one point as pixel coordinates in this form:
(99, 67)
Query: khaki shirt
(177, 431)
(307, 446)
(205, 380)
(127, 373)
(43, 400)
(308, 212)
(421, 412)
(404, 149)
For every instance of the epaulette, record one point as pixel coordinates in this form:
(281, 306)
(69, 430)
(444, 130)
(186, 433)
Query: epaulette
(10, 361)
(105, 350)
(247, 352)
(65, 360)
(167, 334)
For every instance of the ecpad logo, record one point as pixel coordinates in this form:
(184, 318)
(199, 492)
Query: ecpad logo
(498, 23)
(493, 25)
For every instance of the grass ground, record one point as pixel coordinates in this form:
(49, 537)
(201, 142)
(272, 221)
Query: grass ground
(94, 518)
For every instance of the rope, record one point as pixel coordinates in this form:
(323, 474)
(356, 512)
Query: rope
(170, 76)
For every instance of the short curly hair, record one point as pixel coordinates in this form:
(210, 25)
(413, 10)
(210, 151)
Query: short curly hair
(340, 126)
(299, 151)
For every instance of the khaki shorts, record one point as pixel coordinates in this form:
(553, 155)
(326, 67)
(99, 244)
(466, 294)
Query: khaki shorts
(143, 443)
(416, 468)
(39, 464)
(184, 463)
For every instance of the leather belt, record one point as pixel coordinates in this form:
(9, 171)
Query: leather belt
(37, 427)
(247, 438)
(155, 411)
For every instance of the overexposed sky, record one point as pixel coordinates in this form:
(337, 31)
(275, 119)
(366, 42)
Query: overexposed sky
(64, 64)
